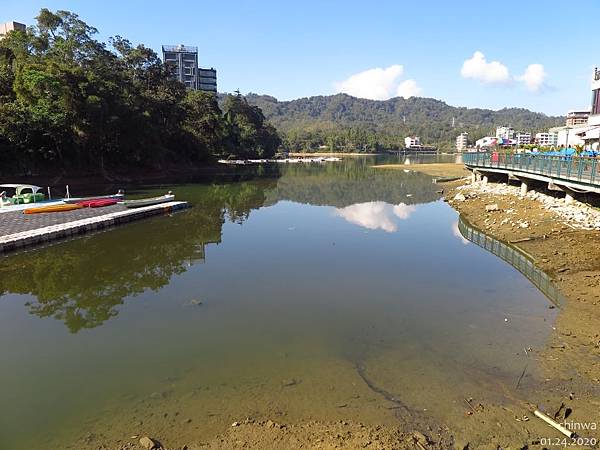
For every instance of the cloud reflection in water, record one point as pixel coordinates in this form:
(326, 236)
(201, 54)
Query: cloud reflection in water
(376, 215)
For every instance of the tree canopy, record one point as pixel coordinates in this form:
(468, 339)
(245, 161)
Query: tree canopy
(70, 102)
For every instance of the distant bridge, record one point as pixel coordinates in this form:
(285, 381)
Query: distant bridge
(571, 174)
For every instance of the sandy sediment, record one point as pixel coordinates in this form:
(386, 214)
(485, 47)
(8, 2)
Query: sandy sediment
(445, 170)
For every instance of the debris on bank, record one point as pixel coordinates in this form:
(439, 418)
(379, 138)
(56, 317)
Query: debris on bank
(576, 215)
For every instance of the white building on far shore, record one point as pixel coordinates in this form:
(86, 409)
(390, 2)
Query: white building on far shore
(546, 139)
(523, 138)
(567, 136)
(577, 118)
(462, 141)
(412, 142)
(506, 133)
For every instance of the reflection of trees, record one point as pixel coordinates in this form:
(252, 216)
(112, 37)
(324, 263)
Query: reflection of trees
(352, 181)
(82, 281)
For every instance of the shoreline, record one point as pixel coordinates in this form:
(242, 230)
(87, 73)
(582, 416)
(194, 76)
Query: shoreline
(569, 254)
(434, 169)
(332, 154)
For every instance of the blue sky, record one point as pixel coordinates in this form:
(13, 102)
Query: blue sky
(533, 54)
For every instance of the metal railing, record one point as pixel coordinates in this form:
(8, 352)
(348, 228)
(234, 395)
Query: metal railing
(513, 256)
(572, 168)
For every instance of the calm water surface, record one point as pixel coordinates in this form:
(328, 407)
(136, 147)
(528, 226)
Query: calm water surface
(307, 278)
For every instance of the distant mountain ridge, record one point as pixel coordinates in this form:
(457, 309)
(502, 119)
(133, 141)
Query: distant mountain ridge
(348, 122)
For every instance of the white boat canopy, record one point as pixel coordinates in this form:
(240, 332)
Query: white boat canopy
(21, 187)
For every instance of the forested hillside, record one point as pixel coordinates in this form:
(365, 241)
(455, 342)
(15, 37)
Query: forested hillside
(71, 103)
(348, 123)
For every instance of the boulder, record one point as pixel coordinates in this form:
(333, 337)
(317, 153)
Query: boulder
(459, 197)
(492, 207)
(149, 443)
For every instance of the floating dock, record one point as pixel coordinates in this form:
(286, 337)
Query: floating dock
(18, 230)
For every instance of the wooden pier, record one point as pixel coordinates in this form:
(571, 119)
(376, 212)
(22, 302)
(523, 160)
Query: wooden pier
(19, 230)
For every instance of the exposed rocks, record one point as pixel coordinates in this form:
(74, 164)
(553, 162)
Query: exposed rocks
(149, 443)
(575, 215)
(290, 382)
(194, 302)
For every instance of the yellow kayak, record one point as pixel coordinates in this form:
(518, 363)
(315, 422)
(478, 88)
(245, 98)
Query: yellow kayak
(52, 208)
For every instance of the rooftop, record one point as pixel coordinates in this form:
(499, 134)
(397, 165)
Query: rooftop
(179, 48)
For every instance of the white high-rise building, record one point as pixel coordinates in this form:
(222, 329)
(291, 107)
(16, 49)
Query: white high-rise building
(462, 141)
(183, 62)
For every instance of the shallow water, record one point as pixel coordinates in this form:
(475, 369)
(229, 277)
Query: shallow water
(310, 280)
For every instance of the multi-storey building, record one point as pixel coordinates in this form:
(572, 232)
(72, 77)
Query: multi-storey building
(11, 26)
(523, 138)
(568, 136)
(546, 139)
(577, 118)
(505, 133)
(591, 134)
(183, 61)
(462, 140)
(412, 142)
(207, 79)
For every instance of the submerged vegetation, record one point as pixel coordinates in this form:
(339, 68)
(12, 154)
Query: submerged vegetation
(69, 102)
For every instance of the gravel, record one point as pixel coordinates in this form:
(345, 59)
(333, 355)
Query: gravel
(577, 215)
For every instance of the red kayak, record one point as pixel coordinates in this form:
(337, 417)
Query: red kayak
(98, 203)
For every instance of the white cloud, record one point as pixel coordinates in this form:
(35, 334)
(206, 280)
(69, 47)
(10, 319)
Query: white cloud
(534, 78)
(376, 215)
(478, 68)
(378, 84)
(408, 88)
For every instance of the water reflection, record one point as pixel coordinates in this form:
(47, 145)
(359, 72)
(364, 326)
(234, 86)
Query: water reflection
(81, 282)
(516, 258)
(376, 215)
(456, 233)
(350, 182)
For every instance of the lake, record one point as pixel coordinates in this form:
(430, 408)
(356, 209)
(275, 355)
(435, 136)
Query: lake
(292, 292)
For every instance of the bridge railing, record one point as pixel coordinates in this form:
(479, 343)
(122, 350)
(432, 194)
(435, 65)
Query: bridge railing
(575, 168)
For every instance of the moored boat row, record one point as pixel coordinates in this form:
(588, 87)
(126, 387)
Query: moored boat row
(243, 162)
(30, 200)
